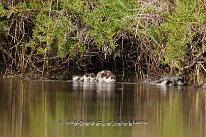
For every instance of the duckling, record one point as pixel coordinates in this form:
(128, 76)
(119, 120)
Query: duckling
(105, 76)
(84, 78)
(165, 83)
(180, 82)
(76, 78)
(92, 77)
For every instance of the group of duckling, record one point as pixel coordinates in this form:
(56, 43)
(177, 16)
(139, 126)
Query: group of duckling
(169, 81)
(102, 76)
(108, 77)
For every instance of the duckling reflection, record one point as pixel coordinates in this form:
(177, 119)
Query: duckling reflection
(83, 86)
(103, 87)
(89, 87)
(76, 86)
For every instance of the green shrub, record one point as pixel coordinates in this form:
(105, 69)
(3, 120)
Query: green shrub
(176, 33)
(3, 17)
(107, 20)
(52, 30)
(64, 26)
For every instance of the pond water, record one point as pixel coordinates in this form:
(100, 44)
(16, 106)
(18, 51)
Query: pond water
(50, 108)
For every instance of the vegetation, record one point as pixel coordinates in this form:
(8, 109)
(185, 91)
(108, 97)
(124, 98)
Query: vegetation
(149, 38)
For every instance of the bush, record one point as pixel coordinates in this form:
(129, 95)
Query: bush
(176, 34)
(40, 31)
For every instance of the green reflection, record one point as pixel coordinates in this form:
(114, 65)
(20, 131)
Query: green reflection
(34, 108)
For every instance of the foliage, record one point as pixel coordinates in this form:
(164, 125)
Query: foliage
(51, 31)
(177, 32)
(69, 27)
(3, 14)
(106, 21)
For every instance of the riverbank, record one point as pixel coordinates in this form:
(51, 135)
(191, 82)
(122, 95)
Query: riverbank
(134, 39)
(196, 81)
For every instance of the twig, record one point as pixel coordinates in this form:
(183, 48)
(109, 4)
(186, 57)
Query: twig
(2, 49)
(202, 67)
(194, 61)
(34, 66)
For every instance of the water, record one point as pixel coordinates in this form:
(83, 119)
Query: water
(42, 108)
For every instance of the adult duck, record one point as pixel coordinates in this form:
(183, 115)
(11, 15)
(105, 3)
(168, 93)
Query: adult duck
(105, 76)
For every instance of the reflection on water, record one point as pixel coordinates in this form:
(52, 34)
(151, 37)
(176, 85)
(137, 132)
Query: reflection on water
(99, 88)
(34, 109)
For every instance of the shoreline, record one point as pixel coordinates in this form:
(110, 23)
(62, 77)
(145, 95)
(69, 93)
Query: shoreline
(68, 77)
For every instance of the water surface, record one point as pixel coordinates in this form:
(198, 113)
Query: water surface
(42, 108)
